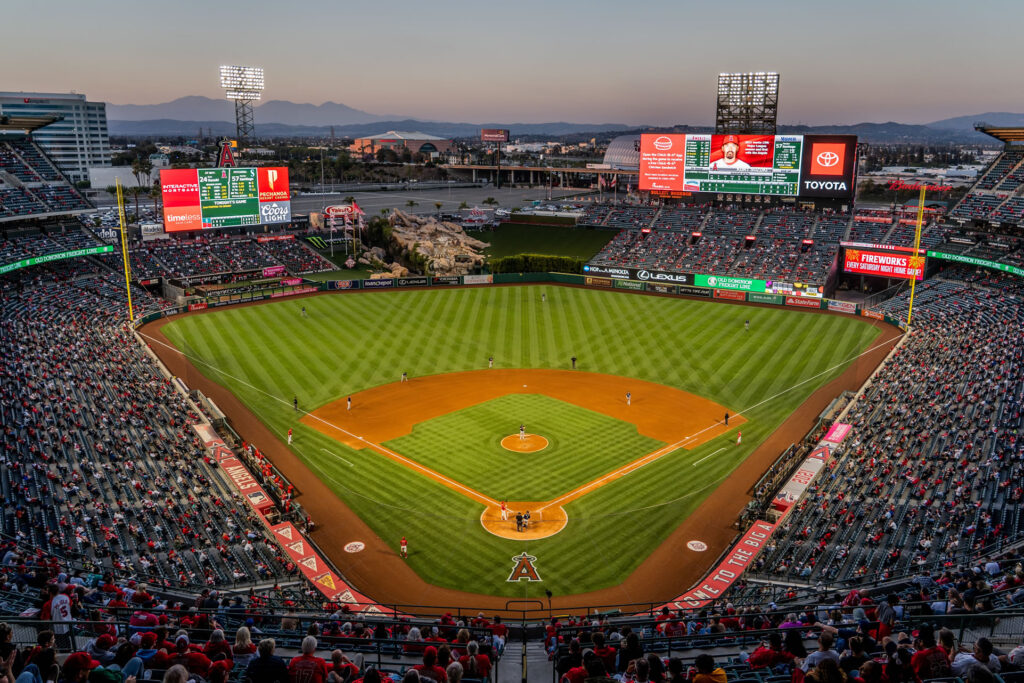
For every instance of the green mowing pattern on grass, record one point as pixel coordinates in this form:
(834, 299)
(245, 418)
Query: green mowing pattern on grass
(466, 445)
(511, 239)
(355, 341)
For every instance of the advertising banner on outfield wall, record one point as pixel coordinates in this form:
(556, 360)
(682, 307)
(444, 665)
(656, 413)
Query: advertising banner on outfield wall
(873, 314)
(598, 281)
(729, 294)
(728, 570)
(757, 298)
(742, 284)
(695, 291)
(629, 284)
(842, 307)
(273, 271)
(477, 279)
(413, 281)
(801, 302)
(661, 289)
(639, 274)
(382, 283)
(447, 280)
(343, 284)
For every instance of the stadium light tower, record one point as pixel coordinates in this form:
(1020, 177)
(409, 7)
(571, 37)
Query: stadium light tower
(244, 85)
(747, 103)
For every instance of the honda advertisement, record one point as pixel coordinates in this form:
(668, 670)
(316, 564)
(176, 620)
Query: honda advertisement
(829, 165)
(887, 264)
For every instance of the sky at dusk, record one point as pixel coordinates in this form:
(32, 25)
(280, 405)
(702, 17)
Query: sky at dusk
(592, 61)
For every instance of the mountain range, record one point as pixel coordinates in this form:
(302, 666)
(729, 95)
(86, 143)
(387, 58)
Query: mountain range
(282, 118)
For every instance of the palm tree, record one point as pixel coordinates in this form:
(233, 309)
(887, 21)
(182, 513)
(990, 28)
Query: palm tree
(438, 205)
(154, 194)
(463, 205)
(410, 203)
(141, 166)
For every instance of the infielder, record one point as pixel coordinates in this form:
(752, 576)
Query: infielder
(405, 547)
(289, 436)
(405, 377)
(490, 362)
(739, 438)
(629, 398)
(350, 403)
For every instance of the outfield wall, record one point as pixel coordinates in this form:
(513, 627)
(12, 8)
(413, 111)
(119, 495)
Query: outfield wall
(731, 291)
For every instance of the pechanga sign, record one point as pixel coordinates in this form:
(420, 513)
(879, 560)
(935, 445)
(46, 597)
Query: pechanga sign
(741, 284)
(58, 256)
(974, 261)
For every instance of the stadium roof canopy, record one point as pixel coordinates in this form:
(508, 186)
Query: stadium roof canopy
(1001, 134)
(25, 124)
(623, 153)
(401, 135)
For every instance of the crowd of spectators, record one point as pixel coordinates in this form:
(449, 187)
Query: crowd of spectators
(99, 458)
(935, 466)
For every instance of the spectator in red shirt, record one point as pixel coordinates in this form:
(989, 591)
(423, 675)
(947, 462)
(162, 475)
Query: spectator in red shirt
(429, 667)
(217, 648)
(341, 668)
(307, 667)
(499, 632)
(195, 662)
(474, 664)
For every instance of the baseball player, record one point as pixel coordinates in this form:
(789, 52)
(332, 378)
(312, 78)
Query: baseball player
(522, 432)
(747, 325)
(573, 359)
(405, 377)
(295, 403)
(526, 520)
(629, 398)
(289, 436)
(504, 511)
(543, 297)
(405, 547)
(739, 438)
(304, 312)
(727, 419)
(490, 362)
(350, 403)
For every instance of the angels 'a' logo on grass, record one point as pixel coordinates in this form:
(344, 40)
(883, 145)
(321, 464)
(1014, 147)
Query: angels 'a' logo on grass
(524, 569)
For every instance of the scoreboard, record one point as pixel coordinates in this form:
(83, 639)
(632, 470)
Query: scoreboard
(785, 165)
(228, 197)
(209, 198)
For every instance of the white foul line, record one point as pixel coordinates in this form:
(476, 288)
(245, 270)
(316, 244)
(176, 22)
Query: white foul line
(338, 457)
(707, 456)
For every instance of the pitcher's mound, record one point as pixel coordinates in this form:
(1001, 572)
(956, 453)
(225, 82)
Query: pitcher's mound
(531, 444)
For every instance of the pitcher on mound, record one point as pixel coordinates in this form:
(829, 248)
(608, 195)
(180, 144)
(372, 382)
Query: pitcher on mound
(522, 432)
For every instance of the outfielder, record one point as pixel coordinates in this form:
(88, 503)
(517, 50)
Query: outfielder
(405, 547)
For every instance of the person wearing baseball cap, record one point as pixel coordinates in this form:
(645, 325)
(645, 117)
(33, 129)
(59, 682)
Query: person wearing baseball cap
(730, 160)
(77, 667)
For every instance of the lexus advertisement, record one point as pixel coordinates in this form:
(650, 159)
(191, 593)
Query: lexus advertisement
(642, 275)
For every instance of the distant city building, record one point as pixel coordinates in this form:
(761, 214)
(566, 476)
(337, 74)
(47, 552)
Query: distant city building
(75, 143)
(430, 145)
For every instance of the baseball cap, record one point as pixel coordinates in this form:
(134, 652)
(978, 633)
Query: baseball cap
(80, 660)
(106, 641)
(148, 640)
(734, 139)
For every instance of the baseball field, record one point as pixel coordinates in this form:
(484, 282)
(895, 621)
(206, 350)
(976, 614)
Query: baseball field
(607, 480)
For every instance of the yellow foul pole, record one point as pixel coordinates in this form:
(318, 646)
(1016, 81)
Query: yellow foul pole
(917, 245)
(124, 249)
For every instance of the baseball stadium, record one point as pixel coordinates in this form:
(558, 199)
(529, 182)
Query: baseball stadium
(671, 430)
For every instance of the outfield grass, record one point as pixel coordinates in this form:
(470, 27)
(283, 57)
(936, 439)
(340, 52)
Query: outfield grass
(510, 239)
(582, 445)
(355, 341)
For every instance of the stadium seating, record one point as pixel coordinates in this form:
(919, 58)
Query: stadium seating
(934, 469)
(1010, 212)
(1000, 169)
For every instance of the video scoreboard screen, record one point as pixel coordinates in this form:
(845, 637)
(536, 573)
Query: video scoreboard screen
(786, 165)
(209, 198)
